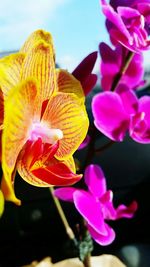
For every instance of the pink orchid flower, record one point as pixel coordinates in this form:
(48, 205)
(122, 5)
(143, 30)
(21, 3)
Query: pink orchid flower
(127, 25)
(143, 6)
(96, 205)
(111, 63)
(115, 113)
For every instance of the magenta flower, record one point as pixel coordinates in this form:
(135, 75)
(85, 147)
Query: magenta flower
(128, 25)
(143, 6)
(83, 73)
(115, 113)
(112, 62)
(96, 205)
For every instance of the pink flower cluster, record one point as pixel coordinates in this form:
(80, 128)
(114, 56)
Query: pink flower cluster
(118, 110)
(96, 205)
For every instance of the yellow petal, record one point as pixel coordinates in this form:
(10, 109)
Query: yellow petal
(26, 174)
(1, 203)
(39, 64)
(10, 68)
(67, 83)
(35, 37)
(65, 112)
(19, 111)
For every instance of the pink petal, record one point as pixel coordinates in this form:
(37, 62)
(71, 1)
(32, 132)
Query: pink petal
(115, 18)
(95, 180)
(85, 142)
(65, 193)
(109, 115)
(103, 240)
(140, 123)
(84, 70)
(129, 99)
(126, 212)
(90, 209)
(128, 12)
(109, 211)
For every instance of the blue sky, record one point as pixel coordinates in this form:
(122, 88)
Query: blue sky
(77, 26)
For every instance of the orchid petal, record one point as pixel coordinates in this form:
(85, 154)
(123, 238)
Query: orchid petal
(1, 109)
(1, 203)
(85, 142)
(10, 67)
(110, 116)
(139, 125)
(65, 112)
(126, 212)
(115, 18)
(89, 83)
(85, 68)
(95, 180)
(34, 38)
(67, 83)
(39, 64)
(26, 174)
(128, 12)
(16, 125)
(65, 194)
(58, 174)
(103, 240)
(90, 209)
(129, 99)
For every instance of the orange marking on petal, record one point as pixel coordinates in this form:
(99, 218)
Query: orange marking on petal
(36, 36)
(39, 64)
(65, 112)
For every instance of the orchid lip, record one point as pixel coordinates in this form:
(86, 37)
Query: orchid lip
(47, 134)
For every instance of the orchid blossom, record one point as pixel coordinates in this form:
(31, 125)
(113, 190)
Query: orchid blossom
(128, 24)
(115, 113)
(96, 205)
(45, 119)
(112, 62)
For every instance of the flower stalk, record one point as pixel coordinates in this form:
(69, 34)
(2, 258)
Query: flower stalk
(122, 70)
(62, 215)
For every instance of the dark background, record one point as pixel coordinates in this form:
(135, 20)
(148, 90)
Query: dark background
(34, 230)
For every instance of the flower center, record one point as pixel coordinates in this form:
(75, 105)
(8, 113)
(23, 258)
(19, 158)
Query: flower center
(48, 135)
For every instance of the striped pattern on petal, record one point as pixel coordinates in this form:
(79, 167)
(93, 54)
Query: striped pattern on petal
(10, 68)
(19, 112)
(35, 37)
(67, 83)
(39, 64)
(65, 112)
(41, 175)
(26, 174)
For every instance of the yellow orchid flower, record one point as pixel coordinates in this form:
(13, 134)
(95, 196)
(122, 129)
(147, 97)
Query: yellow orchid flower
(45, 119)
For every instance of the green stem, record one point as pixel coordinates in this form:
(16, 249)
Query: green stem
(122, 70)
(62, 215)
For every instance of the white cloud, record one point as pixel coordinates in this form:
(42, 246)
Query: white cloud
(68, 62)
(19, 18)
